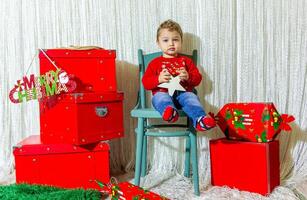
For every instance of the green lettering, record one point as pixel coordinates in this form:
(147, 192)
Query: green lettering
(22, 94)
(52, 90)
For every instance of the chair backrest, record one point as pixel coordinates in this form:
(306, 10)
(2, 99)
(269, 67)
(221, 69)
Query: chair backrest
(144, 60)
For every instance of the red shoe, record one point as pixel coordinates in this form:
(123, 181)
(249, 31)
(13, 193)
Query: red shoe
(205, 123)
(170, 114)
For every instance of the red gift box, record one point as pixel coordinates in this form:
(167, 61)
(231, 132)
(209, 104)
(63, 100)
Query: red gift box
(61, 165)
(249, 166)
(81, 118)
(257, 122)
(127, 191)
(93, 70)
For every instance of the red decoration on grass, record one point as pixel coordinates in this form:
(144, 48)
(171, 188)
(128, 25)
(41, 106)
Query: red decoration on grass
(126, 190)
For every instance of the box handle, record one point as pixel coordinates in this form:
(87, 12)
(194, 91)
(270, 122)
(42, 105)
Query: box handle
(101, 111)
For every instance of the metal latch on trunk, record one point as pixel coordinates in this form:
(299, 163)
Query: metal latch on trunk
(101, 111)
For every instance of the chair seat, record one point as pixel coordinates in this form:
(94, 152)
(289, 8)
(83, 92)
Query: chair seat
(151, 113)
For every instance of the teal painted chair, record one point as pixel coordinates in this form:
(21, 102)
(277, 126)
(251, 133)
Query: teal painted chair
(144, 112)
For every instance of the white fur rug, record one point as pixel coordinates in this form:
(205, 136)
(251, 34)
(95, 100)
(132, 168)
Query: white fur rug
(177, 187)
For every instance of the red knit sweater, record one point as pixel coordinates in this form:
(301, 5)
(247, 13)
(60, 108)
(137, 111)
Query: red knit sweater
(151, 77)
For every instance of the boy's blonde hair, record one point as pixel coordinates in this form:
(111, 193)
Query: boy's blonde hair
(171, 26)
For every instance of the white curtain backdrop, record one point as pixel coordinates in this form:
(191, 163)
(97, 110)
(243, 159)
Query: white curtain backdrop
(250, 50)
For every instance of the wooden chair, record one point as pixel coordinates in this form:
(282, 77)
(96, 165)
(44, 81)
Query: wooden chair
(144, 112)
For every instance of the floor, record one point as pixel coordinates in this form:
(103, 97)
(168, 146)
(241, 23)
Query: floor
(178, 187)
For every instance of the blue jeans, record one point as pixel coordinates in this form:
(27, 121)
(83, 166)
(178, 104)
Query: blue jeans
(187, 101)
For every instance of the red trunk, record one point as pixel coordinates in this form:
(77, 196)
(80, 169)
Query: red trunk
(94, 70)
(82, 118)
(249, 166)
(62, 165)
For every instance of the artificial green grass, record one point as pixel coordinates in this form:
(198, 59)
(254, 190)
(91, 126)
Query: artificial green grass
(38, 192)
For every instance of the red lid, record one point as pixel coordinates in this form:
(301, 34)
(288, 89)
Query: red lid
(67, 53)
(238, 142)
(32, 145)
(87, 97)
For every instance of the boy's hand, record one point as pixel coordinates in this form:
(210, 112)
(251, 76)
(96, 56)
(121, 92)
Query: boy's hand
(184, 75)
(164, 76)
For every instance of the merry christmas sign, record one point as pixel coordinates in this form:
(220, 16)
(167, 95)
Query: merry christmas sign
(37, 87)
(49, 84)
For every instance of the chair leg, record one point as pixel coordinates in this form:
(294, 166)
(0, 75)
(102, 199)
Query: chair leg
(144, 157)
(139, 148)
(194, 163)
(187, 157)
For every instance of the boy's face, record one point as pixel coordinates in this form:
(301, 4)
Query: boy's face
(169, 42)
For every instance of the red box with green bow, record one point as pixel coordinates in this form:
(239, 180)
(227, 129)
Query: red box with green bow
(256, 122)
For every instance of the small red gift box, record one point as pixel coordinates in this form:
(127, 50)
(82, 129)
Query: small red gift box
(249, 166)
(93, 69)
(256, 122)
(61, 165)
(82, 118)
(128, 191)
